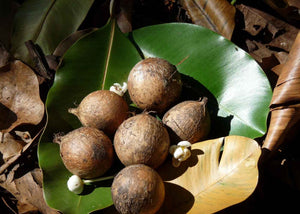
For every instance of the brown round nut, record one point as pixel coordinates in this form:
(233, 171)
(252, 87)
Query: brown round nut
(142, 139)
(188, 120)
(102, 109)
(138, 189)
(86, 152)
(154, 84)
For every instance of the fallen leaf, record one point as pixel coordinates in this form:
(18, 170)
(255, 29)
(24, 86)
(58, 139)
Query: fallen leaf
(4, 55)
(13, 147)
(27, 190)
(286, 8)
(270, 39)
(9, 146)
(216, 15)
(25, 136)
(294, 3)
(20, 101)
(220, 172)
(282, 34)
(30, 190)
(123, 15)
(285, 103)
(46, 23)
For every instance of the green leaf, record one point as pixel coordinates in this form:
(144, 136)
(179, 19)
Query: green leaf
(46, 23)
(7, 11)
(238, 90)
(95, 62)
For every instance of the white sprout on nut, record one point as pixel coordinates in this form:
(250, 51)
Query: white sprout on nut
(118, 89)
(180, 152)
(75, 184)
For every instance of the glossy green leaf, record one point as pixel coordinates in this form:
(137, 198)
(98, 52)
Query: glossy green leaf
(46, 23)
(94, 62)
(238, 90)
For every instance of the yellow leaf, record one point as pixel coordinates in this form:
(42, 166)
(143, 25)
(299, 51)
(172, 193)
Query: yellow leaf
(220, 173)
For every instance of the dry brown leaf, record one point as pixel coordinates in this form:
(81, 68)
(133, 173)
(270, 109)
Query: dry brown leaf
(124, 14)
(20, 101)
(294, 3)
(286, 8)
(217, 15)
(9, 146)
(27, 190)
(29, 187)
(4, 55)
(283, 34)
(285, 104)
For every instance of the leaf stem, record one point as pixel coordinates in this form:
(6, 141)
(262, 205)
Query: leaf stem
(91, 181)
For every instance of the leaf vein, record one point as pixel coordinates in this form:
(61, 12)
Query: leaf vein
(111, 39)
(40, 27)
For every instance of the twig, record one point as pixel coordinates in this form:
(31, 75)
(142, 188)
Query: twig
(39, 60)
(4, 201)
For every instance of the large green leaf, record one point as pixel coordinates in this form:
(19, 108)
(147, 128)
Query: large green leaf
(46, 23)
(95, 62)
(238, 89)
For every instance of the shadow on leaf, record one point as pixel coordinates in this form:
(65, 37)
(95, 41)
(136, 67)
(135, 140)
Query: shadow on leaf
(177, 200)
(193, 90)
(168, 172)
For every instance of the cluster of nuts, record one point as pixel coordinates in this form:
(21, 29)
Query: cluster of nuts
(141, 142)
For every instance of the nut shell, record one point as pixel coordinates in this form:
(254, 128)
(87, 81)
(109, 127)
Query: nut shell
(188, 120)
(86, 152)
(154, 84)
(102, 109)
(138, 189)
(142, 139)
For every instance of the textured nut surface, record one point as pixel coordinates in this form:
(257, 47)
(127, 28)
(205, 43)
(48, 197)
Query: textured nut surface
(138, 189)
(188, 120)
(103, 109)
(154, 84)
(86, 152)
(142, 139)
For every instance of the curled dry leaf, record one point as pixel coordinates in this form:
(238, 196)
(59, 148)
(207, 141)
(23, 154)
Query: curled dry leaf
(285, 104)
(20, 101)
(286, 8)
(9, 146)
(219, 173)
(216, 15)
(270, 41)
(123, 10)
(282, 33)
(54, 60)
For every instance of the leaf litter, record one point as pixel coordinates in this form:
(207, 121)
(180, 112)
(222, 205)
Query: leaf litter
(269, 41)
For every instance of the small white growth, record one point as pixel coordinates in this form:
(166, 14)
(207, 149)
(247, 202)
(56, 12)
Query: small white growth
(180, 152)
(75, 184)
(118, 89)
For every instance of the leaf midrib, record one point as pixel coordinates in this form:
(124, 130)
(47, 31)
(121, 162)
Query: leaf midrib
(41, 25)
(111, 39)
